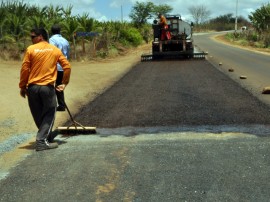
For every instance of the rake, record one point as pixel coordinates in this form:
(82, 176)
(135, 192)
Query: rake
(75, 128)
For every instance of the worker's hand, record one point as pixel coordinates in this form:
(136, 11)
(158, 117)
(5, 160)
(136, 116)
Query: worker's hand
(23, 92)
(60, 88)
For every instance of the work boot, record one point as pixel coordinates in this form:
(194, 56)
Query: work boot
(61, 109)
(44, 144)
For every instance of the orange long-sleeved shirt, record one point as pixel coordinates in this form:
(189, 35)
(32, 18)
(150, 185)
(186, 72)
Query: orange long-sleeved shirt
(162, 21)
(39, 65)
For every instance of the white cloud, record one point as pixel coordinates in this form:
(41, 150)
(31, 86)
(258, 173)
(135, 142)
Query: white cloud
(119, 3)
(86, 2)
(102, 18)
(116, 3)
(74, 3)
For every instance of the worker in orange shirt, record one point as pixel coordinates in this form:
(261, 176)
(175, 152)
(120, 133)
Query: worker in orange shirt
(165, 33)
(37, 82)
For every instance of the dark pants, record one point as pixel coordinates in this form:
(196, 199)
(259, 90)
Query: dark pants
(42, 103)
(60, 95)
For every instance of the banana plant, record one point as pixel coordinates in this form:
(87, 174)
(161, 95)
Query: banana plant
(69, 27)
(86, 26)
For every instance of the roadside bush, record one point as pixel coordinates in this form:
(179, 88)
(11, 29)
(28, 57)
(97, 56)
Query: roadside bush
(258, 45)
(243, 42)
(230, 36)
(146, 32)
(252, 36)
(131, 36)
(11, 51)
(113, 51)
(267, 41)
(222, 27)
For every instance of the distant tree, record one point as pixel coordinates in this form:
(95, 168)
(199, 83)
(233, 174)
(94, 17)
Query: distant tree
(243, 21)
(228, 18)
(141, 12)
(199, 13)
(163, 9)
(226, 22)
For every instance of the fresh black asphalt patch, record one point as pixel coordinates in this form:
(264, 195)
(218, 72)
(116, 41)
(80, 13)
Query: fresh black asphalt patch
(174, 93)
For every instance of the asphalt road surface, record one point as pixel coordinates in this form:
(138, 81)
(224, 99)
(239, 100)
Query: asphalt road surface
(174, 93)
(167, 131)
(254, 65)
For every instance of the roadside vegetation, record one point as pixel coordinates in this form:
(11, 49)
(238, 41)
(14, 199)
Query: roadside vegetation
(103, 39)
(257, 33)
(91, 39)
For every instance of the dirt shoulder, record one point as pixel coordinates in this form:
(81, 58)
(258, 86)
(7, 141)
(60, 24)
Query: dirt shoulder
(222, 39)
(88, 79)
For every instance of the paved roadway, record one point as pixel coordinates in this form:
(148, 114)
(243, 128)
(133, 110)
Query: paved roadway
(167, 131)
(253, 65)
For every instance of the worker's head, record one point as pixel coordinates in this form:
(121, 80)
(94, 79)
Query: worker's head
(159, 15)
(39, 34)
(56, 29)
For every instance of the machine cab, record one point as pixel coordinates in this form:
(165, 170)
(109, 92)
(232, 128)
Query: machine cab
(179, 28)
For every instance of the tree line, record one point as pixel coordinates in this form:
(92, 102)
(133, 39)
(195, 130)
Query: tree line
(17, 18)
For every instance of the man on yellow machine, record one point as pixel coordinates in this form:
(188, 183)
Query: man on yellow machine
(165, 33)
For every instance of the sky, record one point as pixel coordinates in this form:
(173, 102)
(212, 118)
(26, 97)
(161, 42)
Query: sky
(116, 10)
